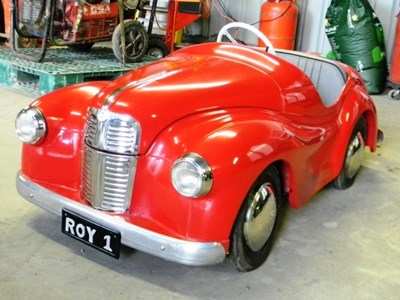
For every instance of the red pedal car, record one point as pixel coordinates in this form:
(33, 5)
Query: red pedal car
(190, 158)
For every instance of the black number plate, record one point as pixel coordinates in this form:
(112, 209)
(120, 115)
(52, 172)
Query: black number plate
(100, 237)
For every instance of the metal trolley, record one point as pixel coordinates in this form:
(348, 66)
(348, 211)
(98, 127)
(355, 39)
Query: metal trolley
(79, 24)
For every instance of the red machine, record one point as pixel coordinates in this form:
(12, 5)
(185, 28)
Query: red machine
(180, 14)
(79, 25)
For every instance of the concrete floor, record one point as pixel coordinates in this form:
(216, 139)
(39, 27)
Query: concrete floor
(342, 245)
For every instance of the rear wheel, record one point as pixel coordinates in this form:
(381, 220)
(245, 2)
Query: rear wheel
(255, 227)
(136, 40)
(354, 157)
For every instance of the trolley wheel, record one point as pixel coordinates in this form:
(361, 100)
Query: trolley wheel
(136, 40)
(394, 94)
(24, 42)
(157, 47)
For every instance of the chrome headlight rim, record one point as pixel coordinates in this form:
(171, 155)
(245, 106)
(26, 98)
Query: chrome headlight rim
(34, 122)
(200, 171)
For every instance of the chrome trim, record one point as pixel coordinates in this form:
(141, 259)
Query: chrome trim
(107, 179)
(109, 159)
(260, 217)
(39, 123)
(202, 168)
(354, 156)
(180, 251)
(111, 98)
(112, 132)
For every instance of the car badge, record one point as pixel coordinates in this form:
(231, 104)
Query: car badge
(103, 115)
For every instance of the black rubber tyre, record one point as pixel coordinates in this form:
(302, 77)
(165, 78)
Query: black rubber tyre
(256, 224)
(81, 47)
(136, 41)
(23, 42)
(354, 157)
(157, 47)
(27, 42)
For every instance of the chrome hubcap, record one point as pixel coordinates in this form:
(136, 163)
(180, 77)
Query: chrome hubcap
(260, 217)
(355, 156)
(155, 52)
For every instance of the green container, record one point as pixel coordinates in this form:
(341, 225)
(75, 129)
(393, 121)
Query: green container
(356, 37)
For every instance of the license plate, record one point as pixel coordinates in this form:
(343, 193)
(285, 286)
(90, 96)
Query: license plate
(95, 235)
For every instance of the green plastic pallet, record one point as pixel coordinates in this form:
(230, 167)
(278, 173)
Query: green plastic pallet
(61, 67)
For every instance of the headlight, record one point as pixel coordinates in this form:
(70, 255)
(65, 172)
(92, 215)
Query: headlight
(191, 176)
(30, 125)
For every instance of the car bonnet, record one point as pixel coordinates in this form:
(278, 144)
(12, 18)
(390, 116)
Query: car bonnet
(195, 80)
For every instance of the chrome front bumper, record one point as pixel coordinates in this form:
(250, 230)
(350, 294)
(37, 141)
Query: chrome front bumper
(180, 251)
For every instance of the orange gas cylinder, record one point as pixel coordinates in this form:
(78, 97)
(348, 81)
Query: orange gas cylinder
(394, 75)
(278, 21)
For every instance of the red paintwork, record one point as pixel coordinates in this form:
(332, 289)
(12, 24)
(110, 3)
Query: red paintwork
(234, 106)
(98, 11)
(177, 20)
(96, 21)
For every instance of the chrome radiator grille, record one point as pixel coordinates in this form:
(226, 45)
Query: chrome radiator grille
(112, 132)
(107, 179)
(109, 161)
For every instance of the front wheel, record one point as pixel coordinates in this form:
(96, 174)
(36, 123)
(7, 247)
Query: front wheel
(255, 226)
(354, 156)
(136, 40)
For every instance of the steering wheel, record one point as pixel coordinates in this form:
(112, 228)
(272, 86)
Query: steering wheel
(224, 32)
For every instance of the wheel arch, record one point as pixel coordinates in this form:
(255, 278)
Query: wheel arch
(62, 144)
(237, 161)
(251, 244)
(344, 137)
(356, 105)
(287, 180)
(281, 167)
(372, 129)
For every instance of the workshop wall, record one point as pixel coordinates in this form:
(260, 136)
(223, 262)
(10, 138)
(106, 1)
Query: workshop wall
(311, 31)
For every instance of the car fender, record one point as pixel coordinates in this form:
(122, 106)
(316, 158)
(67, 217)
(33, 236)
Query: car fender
(65, 111)
(357, 103)
(238, 144)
